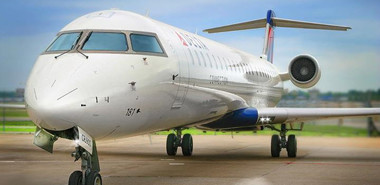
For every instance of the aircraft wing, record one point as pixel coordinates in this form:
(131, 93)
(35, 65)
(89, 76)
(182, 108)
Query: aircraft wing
(291, 115)
(14, 106)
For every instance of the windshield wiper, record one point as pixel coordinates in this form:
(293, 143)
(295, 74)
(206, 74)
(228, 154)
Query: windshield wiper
(62, 53)
(81, 53)
(84, 42)
(72, 46)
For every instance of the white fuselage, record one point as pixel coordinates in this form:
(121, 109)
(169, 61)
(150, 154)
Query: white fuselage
(113, 94)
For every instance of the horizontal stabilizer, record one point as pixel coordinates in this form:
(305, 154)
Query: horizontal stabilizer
(277, 22)
(307, 25)
(260, 23)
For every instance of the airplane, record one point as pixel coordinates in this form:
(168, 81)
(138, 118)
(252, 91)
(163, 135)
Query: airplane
(112, 74)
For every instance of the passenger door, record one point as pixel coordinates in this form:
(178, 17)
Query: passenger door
(181, 79)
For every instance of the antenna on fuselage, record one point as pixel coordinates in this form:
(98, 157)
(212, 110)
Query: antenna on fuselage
(147, 13)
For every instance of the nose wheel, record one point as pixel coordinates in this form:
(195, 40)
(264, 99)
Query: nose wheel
(174, 141)
(90, 167)
(279, 142)
(76, 178)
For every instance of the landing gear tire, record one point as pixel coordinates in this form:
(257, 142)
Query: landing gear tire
(89, 165)
(275, 146)
(76, 178)
(292, 146)
(171, 145)
(187, 145)
(94, 178)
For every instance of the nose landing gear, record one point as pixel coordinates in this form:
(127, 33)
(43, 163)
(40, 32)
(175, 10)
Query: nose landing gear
(90, 167)
(173, 141)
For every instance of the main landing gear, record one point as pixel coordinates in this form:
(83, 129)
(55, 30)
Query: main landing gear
(173, 141)
(279, 142)
(90, 167)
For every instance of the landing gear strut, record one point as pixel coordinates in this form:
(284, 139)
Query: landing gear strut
(90, 167)
(174, 141)
(279, 142)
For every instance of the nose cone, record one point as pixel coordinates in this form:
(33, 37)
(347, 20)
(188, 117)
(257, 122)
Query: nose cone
(55, 111)
(54, 99)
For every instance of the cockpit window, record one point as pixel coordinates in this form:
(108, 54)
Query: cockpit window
(145, 43)
(103, 41)
(64, 42)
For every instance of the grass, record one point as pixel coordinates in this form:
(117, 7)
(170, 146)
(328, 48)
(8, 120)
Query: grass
(18, 126)
(308, 130)
(21, 130)
(13, 113)
(18, 123)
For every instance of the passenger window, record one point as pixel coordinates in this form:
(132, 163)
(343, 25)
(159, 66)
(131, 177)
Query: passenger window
(251, 70)
(208, 57)
(203, 57)
(102, 41)
(216, 64)
(199, 60)
(191, 55)
(64, 42)
(145, 43)
(221, 65)
(225, 62)
(231, 64)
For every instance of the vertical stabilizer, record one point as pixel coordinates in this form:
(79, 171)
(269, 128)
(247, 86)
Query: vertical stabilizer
(269, 38)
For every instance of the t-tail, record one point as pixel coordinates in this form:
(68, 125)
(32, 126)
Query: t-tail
(269, 38)
(270, 22)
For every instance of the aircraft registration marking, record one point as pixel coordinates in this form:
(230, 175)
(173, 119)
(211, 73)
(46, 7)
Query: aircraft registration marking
(132, 111)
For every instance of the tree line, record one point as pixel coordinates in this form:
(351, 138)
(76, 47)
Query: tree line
(352, 95)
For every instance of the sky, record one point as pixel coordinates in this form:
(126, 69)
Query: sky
(348, 60)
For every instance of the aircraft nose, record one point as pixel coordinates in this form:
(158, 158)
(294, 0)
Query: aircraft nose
(54, 91)
(55, 110)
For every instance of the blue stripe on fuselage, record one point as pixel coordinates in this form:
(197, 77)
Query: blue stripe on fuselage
(246, 117)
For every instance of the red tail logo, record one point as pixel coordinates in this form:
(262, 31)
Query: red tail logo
(182, 40)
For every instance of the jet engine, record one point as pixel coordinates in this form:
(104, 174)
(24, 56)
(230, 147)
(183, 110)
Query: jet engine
(304, 71)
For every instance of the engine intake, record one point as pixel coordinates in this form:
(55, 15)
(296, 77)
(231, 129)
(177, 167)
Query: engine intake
(304, 71)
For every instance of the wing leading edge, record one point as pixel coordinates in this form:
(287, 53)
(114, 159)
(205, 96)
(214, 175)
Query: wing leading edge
(291, 115)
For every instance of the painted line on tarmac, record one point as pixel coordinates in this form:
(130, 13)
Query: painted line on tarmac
(181, 164)
(332, 163)
(36, 161)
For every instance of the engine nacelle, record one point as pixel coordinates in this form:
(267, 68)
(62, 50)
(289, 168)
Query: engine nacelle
(304, 71)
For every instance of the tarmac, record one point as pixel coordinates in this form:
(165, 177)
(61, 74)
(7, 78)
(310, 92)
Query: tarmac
(216, 160)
